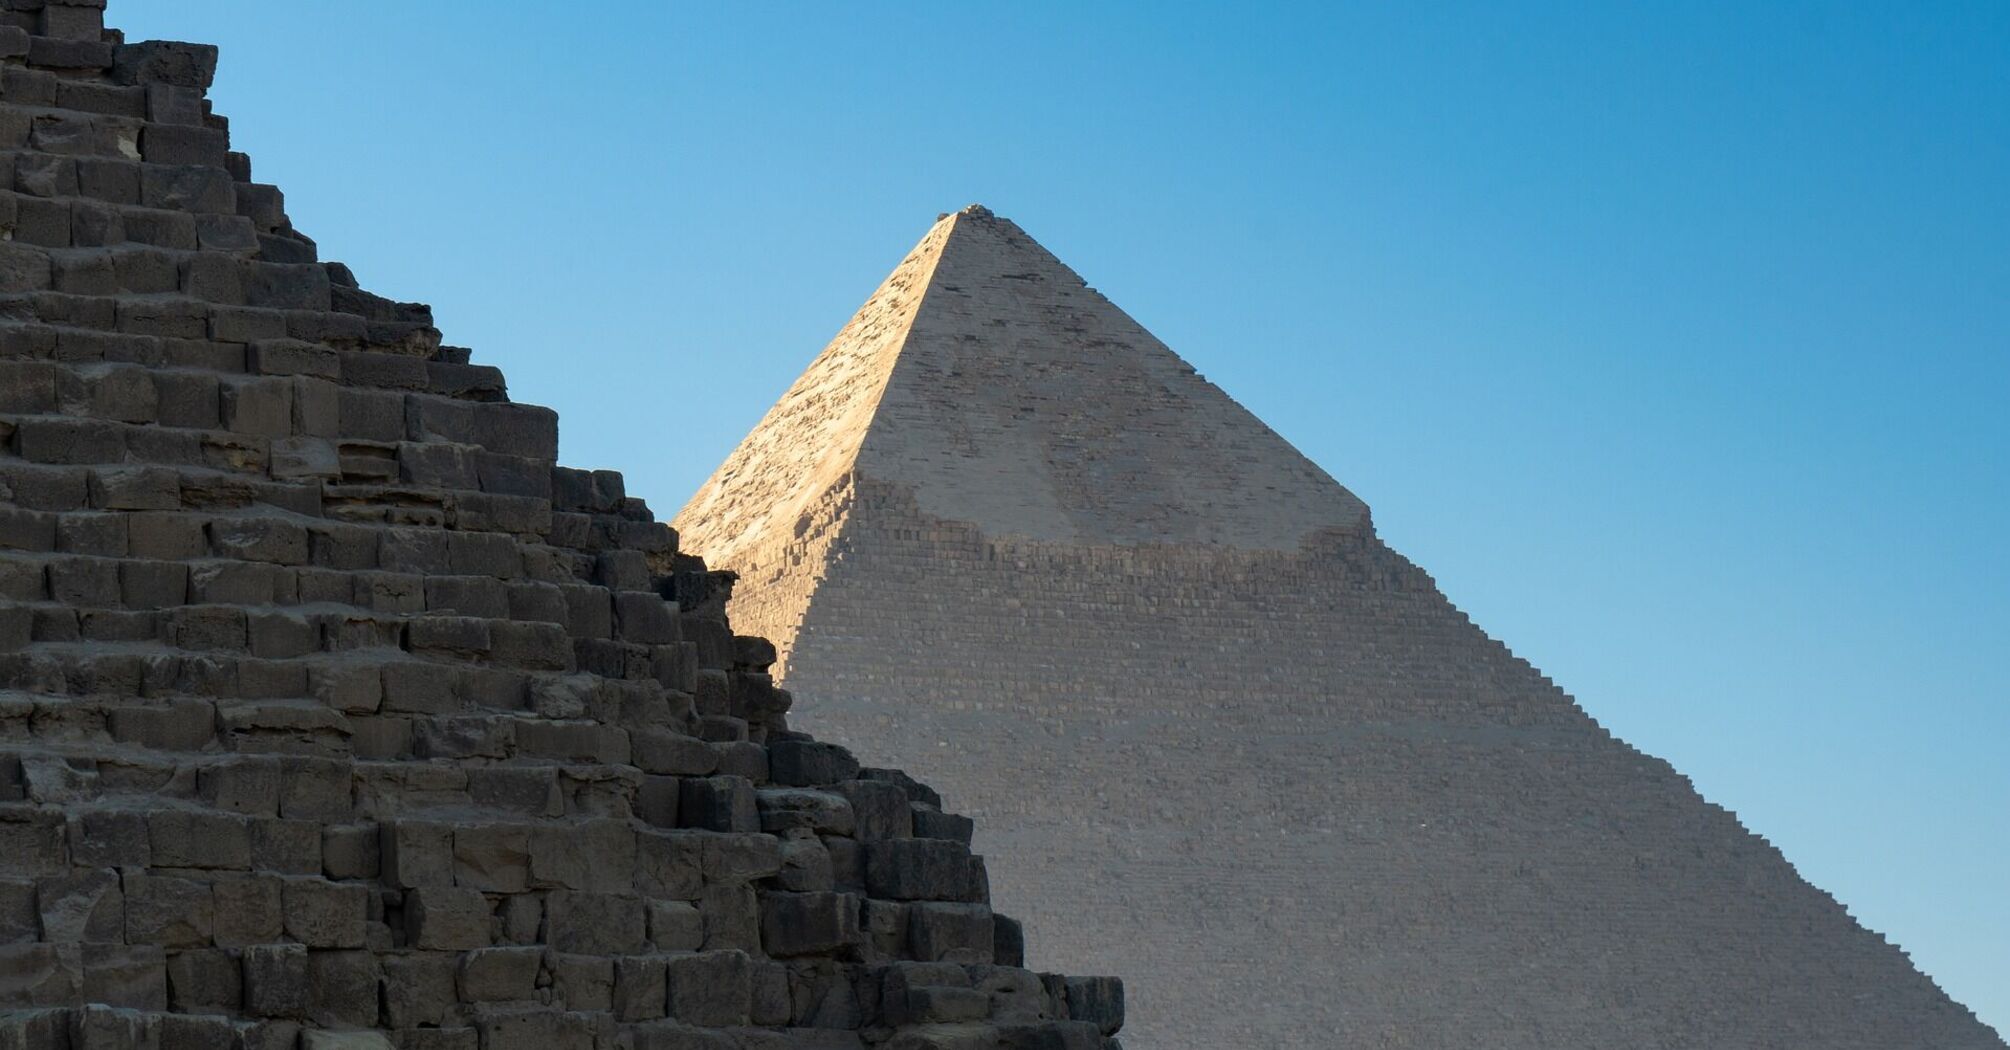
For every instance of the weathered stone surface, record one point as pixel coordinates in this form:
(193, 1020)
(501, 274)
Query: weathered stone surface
(338, 716)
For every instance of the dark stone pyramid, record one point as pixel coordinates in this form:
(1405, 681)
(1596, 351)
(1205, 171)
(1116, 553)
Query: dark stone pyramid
(334, 714)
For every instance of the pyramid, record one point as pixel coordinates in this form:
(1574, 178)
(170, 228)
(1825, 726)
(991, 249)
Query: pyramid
(1219, 736)
(335, 715)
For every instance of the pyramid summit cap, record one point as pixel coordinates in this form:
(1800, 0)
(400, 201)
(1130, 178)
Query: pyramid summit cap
(988, 381)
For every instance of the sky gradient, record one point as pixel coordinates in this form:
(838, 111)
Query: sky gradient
(1672, 339)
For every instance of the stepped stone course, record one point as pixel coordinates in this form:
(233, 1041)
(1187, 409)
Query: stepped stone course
(1219, 737)
(334, 714)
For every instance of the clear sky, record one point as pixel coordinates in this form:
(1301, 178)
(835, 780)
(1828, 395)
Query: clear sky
(1672, 338)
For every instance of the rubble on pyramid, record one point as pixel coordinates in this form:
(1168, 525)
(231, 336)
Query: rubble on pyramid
(1257, 763)
(335, 715)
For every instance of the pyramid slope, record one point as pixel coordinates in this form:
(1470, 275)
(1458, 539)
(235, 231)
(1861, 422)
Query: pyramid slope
(1328, 809)
(335, 713)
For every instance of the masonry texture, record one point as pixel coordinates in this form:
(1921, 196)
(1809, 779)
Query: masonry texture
(335, 715)
(1219, 737)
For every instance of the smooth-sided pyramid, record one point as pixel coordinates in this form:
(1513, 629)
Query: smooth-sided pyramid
(1220, 738)
(334, 715)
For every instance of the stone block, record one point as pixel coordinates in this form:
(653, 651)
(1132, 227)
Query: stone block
(132, 977)
(810, 923)
(881, 809)
(416, 854)
(33, 975)
(277, 981)
(289, 847)
(1008, 941)
(931, 823)
(84, 906)
(152, 584)
(242, 784)
(419, 988)
(208, 980)
(350, 851)
(195, 839)
(1098, 1001)
(719, 804)
(323, 914)
(676, 926)
(315, 788)
(20, 920)
(791, 809)
(669, 865)
(109, 839)
(732, 913)
(959, 933)
(591, 855)
(711, 989)
(170, 912)
(582, 982)
(671, 753)
(806, 865)
(166, 62)
(447, 918)
(640, 988)
(919, 869)
(595, 923)
(499, 974)
(248, 911)
(492, 857)
(326, 1040)
(262, 539)
(528, 1028)
(810, 763)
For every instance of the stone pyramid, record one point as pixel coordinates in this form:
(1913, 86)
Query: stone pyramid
(1221, 738)
(335, 715)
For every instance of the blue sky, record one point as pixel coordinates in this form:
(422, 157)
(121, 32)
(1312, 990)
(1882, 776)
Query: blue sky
(1673, 339)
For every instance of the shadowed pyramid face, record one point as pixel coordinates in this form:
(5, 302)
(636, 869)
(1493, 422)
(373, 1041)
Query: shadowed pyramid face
(335, 715)
(1223, 740)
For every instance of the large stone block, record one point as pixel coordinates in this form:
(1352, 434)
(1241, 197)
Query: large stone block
(500, 974)
(920, 869)
(447, 918)
(809, 923)
(83, 906)
(713, 989)
(595, 923)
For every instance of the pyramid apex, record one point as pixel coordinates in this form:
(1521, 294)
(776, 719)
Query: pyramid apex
(974, 211)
